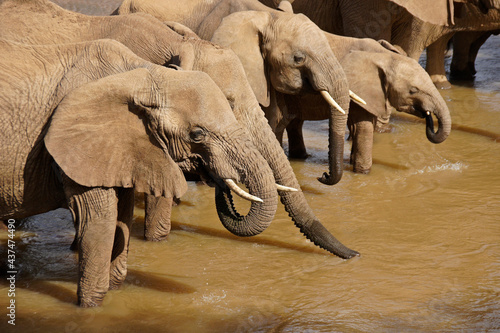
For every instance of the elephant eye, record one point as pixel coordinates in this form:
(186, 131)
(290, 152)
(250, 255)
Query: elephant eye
(197, 134)
(299, 58)
(414, 90)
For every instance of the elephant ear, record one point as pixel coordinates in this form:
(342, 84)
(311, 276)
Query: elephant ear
(98, 137)
(285, 6)
(241, 32)
(392, 48)
(366, 76)
(438, 12)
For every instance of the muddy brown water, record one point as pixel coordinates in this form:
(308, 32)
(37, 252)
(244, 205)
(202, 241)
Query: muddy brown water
(426, 221)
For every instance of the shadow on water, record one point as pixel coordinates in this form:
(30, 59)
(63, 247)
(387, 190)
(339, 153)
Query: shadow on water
(176, 226)
(137, 232)
(49, 288)
(156, 282)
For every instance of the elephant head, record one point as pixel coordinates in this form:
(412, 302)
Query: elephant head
(289, 54)
(391, 80)
(143, 128)
(235, 86)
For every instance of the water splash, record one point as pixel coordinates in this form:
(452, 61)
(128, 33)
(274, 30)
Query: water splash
(457, 166)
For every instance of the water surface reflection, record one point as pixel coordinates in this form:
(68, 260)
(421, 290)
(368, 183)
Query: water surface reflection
(425, 221)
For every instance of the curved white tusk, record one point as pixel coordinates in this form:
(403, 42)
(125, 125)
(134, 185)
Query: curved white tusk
(356, 98)
(331, 101)
(236, 189)
(286, 188)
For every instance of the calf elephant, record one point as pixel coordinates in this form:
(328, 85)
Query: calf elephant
(153, 41)
(389, 80)
(412, 25)
(133, 125)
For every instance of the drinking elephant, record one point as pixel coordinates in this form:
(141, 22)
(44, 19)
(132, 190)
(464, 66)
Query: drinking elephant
(280, 52)
(412, 25)
(99, 122)
(389, 80)
(153, 41)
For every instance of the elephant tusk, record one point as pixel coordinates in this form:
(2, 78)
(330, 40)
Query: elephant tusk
(236, 189)
(356, 98)
(286, 188)
(326, 95)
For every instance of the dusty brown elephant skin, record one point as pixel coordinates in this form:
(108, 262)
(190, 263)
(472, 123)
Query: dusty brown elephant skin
(281, 52)
(411, 25)
(134, 126)
(156, 43)
(388, 80)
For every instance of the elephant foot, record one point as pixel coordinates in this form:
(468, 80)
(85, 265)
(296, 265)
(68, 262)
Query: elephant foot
(383, 128)
(361, 170)
(440, 81)
(113, 285)
(461, 75)
(156, 238)
(91, 302)
(298, 154)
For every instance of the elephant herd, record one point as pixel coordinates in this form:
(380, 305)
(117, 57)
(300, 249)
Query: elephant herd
(95, 108)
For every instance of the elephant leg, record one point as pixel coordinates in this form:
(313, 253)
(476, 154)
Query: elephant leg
(361, 127)
(465, 48)
(296, 146)
(157, 218)
(435, 62)
(95, 212)
(118, 269)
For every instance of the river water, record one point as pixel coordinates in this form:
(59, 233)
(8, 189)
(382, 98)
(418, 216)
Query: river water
(425, 220)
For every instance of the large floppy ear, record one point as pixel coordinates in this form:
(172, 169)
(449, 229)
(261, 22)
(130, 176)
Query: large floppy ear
(365, 73)
(438, 12)
(242, 32)
(98, 137)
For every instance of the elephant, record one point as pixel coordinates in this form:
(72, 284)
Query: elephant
(411, 25)
(466, 45)
(156, 43)
(388, 79)
(280, 52)
(86, 124)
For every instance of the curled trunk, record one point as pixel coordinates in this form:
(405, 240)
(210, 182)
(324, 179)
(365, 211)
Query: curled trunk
(444, 123)
(260, 183)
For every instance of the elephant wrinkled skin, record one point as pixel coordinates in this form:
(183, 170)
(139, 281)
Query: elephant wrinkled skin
(388, 80)
(154, 42)
(281, 53)
(133, 125)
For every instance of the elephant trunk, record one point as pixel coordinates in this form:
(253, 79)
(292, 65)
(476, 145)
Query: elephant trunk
(295, 202)
(260, 183)
(336, 134)
(444, 122)
(304, 219)
(335, 89)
